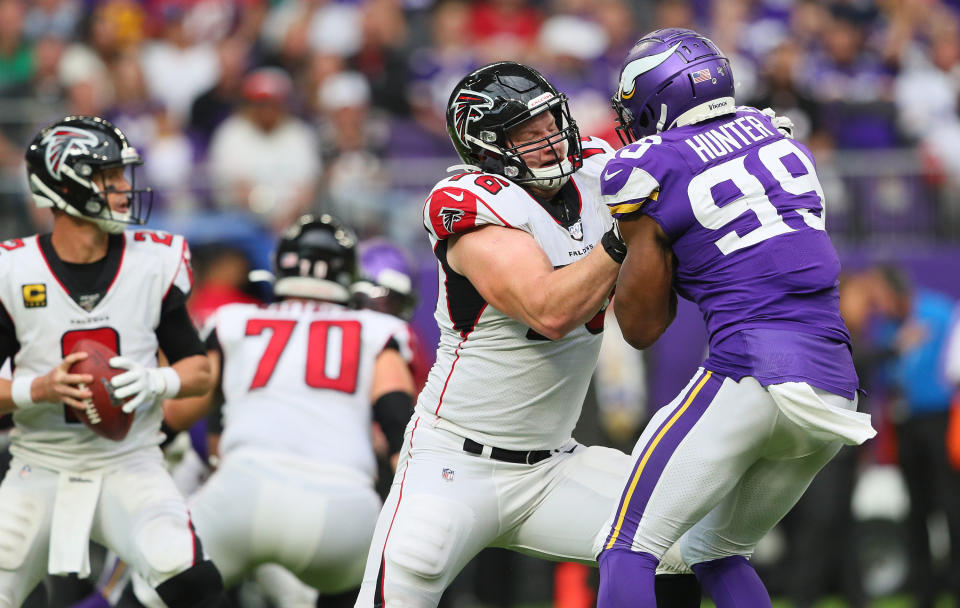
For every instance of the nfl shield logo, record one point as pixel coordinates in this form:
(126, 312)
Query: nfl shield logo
(447, 474)
(576, 231)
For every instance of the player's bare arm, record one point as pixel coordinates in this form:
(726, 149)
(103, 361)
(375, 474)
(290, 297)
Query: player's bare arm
(513, 274)
(196, 375)
(181, 413)
(646, 302)
(54, 387)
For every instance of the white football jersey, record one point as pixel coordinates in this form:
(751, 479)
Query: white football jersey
(297, 377)
(495, 380)
(49, 322)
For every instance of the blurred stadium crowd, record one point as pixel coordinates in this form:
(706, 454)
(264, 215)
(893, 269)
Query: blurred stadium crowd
(269, 107)
(251, 112)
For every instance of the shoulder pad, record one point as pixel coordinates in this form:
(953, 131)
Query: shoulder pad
(172, 251)
(632, 177)
(470, 200)
(11, 245)
(593, 146)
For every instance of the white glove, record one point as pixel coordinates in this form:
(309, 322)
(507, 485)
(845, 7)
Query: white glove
(144, 383)
(782, 123)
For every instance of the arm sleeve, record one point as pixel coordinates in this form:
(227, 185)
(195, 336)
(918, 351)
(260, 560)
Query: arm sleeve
(176, 334)
(9, 345)
(392, 412)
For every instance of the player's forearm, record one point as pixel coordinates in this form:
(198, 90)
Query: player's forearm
(6, 398)
(196, 376)
(646, 302)
(181, 414)
(572, 295)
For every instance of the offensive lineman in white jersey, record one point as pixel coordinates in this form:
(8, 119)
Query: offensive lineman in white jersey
(92, 279)
(295, 485)
(527, 261)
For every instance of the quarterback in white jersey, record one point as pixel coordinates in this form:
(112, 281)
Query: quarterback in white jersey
(527, 262)
(302, 381)
(91, 279)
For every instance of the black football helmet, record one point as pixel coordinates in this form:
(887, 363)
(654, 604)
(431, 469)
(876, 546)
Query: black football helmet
(490, 101)
(316, 258)
(62, 160)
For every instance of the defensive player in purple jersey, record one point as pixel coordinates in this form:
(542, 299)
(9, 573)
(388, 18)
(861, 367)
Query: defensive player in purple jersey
(718, 206)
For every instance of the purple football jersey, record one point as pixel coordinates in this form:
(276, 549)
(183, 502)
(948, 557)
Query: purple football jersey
(743, 208)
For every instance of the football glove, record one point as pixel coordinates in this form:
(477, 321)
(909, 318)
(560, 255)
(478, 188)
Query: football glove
(144, 384)
(613, 244)
(782, 123)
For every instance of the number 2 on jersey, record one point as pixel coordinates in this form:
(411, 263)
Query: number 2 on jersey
(753, 196)
(327, 342)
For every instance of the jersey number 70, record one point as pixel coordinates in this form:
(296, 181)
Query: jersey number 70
(324, 340)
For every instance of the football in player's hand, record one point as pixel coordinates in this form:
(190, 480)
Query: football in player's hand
(104, 414)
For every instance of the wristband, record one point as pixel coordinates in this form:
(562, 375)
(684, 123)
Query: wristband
(613, 244)
(171, 381)
(20, 391)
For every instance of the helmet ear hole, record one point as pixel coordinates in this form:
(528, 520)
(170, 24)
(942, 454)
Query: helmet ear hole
(644, 119)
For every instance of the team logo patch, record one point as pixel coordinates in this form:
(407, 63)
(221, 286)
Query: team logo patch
(447, 474)
(467, 107)
(35, 295)
(62, 142)
(450, 216)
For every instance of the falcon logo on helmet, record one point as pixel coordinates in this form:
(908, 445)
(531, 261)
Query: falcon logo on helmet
(61, 143)
(469, 106)
(450, 216)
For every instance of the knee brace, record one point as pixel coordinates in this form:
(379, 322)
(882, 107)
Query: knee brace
(197, 587)
(167, 545)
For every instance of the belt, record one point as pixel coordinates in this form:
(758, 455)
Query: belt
(515, 456)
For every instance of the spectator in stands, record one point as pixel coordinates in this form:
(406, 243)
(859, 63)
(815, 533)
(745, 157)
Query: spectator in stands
(382, 58)
(914, 328)
(353, 140)
(262, 158)
(217, 103)
(848, 76)
(504, 29)
(780, 90)
(177, 67)
(435, 69)
(16, 58)
(57, 18)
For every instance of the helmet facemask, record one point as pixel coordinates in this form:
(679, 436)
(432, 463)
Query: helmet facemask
(139, 202)
(507, 158)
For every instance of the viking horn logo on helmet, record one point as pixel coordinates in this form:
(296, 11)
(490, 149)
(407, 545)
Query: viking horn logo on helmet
(640, 66)
(469, 106)
(61, 142)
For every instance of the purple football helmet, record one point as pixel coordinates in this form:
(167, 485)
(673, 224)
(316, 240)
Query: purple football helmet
(671, 78)
(387, 279)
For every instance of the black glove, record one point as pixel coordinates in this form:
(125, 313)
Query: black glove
(613, 244)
